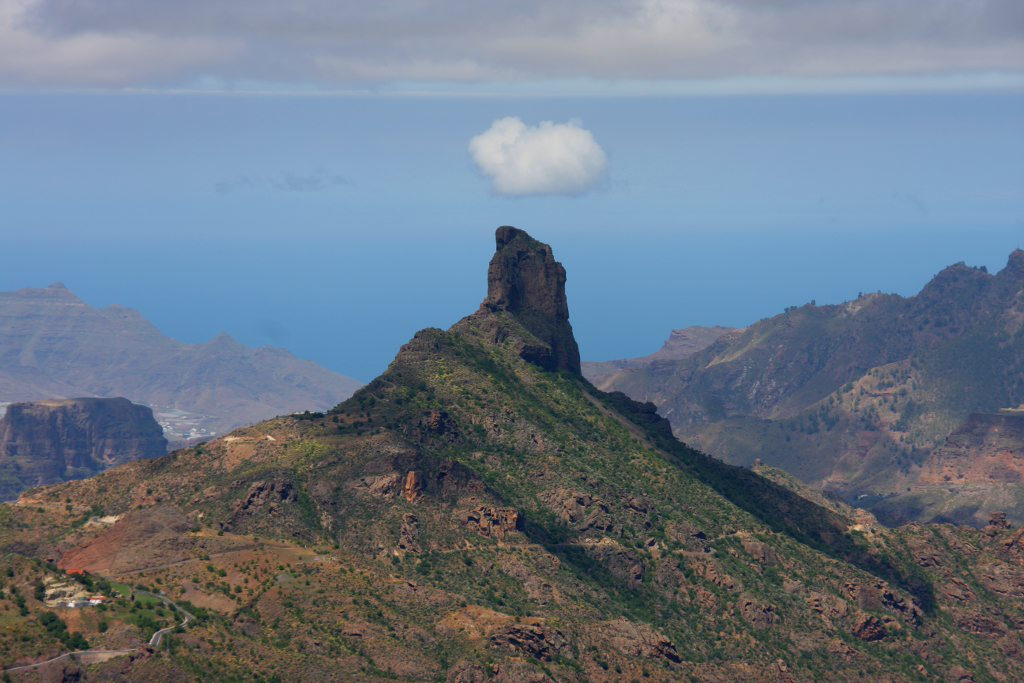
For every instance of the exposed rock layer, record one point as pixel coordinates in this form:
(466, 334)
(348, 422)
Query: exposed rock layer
(51, 441)
(987, 447)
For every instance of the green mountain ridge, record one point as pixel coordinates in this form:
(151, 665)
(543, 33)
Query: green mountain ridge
(481, 512)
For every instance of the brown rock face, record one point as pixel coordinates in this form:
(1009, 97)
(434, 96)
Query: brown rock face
(492, 521)
(986, 448)
(408, 534)
(582, 511)
(638, 640)
(413, 486)
(50, 441)
(525, 279)
(263, 498)
(870, 629)
(532, 640)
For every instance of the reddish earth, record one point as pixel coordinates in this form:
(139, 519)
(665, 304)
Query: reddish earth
(987, 448)
(140, 537)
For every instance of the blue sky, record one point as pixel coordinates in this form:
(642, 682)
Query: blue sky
(338, 226)
(326, 176)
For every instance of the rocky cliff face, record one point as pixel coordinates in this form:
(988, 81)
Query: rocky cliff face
(987, 447)
(51, 441)
(525, 280)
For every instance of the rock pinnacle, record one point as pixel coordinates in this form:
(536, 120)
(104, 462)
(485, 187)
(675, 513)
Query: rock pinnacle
(525, 280)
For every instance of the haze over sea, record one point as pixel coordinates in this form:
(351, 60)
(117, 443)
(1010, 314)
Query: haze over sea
(336, 226)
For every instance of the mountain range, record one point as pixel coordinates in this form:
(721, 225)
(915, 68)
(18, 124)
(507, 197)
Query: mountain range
(480, 512)
(857, 398)
(54, 345)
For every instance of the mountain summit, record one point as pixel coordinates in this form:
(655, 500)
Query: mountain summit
(525, 280)
(481, 512)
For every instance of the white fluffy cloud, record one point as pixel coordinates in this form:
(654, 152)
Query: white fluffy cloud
(550, 158)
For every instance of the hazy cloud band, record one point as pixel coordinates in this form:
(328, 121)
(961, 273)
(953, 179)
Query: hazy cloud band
(322, 44)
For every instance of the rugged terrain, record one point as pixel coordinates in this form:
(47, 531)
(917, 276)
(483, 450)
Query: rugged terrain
(854, 397)
(53, 345)
(52, 441)
(480, 511)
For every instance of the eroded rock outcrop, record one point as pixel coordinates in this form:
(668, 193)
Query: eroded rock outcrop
(408, 535)
(533, 640)
(262, 499)
(986, 448)
(492, 521)
(525, 280)
(870, 629)
(638, 640)
(581, 511)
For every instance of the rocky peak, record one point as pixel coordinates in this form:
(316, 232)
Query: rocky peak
(525, 280)
(223, 342)
(56, 293)
(958, 277)
(1015, 264)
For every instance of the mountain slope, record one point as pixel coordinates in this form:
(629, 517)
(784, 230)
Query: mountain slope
(481, 511)
(54, 345)
(680, 344)
(978, 469)
(851, 397)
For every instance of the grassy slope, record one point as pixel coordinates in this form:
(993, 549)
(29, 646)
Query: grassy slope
(623, 529)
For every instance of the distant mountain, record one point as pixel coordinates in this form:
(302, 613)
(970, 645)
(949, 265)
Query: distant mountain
(52, 441)
(852, 397)
(679, 345)
(53, 345)
(480, 512)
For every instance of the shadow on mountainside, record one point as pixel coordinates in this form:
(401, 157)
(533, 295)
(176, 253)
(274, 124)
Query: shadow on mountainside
(777, 507)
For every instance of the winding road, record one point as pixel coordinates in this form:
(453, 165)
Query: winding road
(100, 655)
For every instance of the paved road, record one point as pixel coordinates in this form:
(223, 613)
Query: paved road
(159, 635)
(100, 654)
(103, 655)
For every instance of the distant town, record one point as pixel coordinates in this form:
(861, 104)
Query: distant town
(180, 425)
